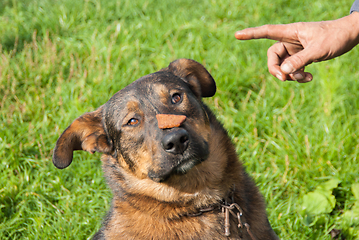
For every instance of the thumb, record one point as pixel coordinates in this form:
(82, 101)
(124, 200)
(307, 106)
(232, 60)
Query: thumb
(298, 60)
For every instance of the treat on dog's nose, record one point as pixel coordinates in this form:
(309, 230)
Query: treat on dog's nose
(169, 120)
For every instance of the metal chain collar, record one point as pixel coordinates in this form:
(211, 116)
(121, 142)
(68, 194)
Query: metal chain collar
(228, 209)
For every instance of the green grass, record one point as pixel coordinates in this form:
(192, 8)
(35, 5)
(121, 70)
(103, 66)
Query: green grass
(59, 59)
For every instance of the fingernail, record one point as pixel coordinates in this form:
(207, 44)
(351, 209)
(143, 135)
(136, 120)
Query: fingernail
(309, 78)
(238, 34)
(280, 76)
(298, 76)
(287, 68)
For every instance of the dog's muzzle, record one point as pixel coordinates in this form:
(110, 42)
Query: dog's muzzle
(180, 151)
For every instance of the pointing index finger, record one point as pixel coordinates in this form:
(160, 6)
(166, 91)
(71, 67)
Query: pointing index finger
(275, 32)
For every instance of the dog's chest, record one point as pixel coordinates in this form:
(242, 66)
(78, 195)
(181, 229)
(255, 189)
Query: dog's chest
(141, 226)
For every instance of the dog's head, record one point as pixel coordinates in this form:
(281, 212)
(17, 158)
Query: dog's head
(154, 127)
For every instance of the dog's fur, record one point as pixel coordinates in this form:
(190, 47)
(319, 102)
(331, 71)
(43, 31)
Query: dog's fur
(160, 178)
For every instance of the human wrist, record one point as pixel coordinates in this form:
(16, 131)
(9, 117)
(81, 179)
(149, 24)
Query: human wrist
(354, 24)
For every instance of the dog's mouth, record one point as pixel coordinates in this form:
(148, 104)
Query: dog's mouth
(183, 167)
(186, 165)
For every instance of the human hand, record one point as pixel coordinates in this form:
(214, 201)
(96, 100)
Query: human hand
(303, 43)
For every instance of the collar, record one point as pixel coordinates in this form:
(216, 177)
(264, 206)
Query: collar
(229, 207)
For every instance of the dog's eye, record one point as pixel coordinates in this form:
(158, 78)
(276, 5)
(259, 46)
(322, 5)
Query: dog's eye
(133, 121)
(176, 98)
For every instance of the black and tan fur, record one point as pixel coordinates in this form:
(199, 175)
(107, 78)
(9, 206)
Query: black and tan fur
(158, 186)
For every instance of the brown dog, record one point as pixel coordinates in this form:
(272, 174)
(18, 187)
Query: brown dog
(172, 168)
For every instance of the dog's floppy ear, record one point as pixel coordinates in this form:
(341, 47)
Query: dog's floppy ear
(193, 73)
(85, 133)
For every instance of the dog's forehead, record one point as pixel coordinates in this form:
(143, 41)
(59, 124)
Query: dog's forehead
(155, 81)
(152, 87)
(149, 86)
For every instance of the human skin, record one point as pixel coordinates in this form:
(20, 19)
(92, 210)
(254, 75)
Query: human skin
(299, 44)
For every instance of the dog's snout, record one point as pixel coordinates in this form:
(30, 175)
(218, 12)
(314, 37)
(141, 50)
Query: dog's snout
(176, 141)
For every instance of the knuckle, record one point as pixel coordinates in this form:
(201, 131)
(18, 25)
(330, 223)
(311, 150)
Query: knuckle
(266, 29)
(297, 61)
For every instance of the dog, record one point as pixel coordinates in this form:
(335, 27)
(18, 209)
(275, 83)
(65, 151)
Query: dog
(169, 162)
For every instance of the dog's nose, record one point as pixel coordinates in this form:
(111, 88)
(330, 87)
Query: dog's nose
(176, 141)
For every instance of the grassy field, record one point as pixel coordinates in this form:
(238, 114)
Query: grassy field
(59, 59)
